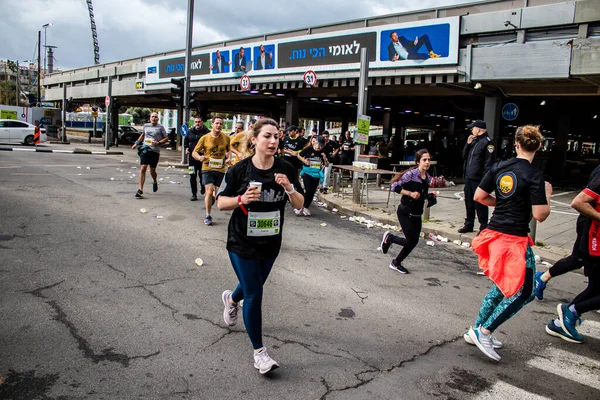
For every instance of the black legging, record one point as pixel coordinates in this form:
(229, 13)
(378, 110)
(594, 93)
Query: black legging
(411, 226)
(473, 206)
(196, 176)
(570, 263)
(589, 299)
(310, 187)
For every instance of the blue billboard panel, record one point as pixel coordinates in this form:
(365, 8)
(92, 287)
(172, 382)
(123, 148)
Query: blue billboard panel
(264, 57)
(415, 43)
(220, 62)
(427, 43)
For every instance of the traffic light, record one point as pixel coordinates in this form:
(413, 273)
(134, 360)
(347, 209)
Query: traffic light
(192, 101)
(177, 91)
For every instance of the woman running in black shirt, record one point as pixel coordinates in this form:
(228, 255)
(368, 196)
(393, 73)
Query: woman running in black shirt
(504, 247)
(413, 185)
(257, 190)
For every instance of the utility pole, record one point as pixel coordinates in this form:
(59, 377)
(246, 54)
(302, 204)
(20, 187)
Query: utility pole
(186, 88)
(18, 85)
(39, 77)
(107, 120)
(64, 114)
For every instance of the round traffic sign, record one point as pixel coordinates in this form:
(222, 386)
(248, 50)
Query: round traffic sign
(510, 111)
(107, 101)
(245, 82)
(310, 78)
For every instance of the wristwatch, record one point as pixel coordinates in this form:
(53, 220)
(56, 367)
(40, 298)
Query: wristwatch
(291, 192)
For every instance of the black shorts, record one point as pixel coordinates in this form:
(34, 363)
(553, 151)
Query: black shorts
(212, 178)
(149, 158)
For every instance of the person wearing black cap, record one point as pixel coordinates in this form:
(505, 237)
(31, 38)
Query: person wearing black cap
(478, 154)
(313, 158)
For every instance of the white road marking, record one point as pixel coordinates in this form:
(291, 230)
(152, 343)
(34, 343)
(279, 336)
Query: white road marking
(562, 204)
(22, 149)
(562, 194)
(564, 212)
(567, 365)
(590, 328)
(502, 390)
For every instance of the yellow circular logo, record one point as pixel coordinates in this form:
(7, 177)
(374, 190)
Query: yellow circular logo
(507, 184)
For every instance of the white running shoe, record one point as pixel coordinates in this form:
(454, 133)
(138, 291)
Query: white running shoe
(263, 362)
(230, 313)
(495, 342)
(305, 212)
(298, 211)
(484, 343)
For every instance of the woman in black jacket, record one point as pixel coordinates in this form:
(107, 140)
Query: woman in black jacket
(413, 185)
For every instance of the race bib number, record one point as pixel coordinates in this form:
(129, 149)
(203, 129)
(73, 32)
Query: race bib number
(263, 223)
(315, 164)
(148, 141)
(346, 147)
(191, 169)
(215, 163)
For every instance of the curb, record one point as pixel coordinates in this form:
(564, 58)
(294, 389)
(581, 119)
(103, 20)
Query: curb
(75, 151)
(430, 228)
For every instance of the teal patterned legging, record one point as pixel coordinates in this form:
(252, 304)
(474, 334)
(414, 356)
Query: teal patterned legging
(496, 309)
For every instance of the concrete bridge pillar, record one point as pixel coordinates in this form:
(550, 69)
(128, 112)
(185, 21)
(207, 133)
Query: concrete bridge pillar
(492, 113)
(291, 109)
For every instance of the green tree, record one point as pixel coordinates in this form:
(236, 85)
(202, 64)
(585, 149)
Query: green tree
(140, 115)
(8, 92)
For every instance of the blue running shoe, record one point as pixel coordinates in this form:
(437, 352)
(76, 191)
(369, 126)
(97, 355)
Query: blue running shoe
(540, 285)
(558, 331)
(568, 321)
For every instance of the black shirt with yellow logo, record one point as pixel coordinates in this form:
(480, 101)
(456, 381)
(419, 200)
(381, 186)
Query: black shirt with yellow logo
(518, 185)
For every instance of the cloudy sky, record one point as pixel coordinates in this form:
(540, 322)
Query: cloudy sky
(132, 28)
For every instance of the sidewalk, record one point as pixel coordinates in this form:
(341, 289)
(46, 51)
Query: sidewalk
(554, 237)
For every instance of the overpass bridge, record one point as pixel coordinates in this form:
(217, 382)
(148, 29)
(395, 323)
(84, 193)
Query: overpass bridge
(539, 55)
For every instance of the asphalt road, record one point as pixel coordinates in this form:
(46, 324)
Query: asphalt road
(101, 301)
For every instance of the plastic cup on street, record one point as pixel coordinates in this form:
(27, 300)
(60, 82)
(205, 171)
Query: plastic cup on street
(430, 243)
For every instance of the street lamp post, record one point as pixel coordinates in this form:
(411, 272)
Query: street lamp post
(45, 26)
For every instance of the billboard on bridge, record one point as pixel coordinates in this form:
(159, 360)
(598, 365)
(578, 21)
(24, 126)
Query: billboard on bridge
(418, 43)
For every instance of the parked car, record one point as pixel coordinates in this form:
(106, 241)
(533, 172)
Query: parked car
(19, 131)
(128, 134)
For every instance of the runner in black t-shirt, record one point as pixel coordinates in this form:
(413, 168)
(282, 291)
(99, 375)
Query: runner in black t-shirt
(504, 248)
(586, 253)
(331, 148)
(313, 159)
(254, 232)
(347, 150)
(413, 185)
(575, 260)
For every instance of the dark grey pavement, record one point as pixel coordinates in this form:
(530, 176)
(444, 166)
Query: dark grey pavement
(101, 301)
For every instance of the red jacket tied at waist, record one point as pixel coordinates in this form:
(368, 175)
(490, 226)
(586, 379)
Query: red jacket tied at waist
(502, 258)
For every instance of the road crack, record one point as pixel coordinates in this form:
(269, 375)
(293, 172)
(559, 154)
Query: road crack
(105, 355)
(401, 364)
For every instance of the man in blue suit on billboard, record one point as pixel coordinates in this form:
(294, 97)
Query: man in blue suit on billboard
(402, 48)
(219, 63)
(265, 60)
(240, 61)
